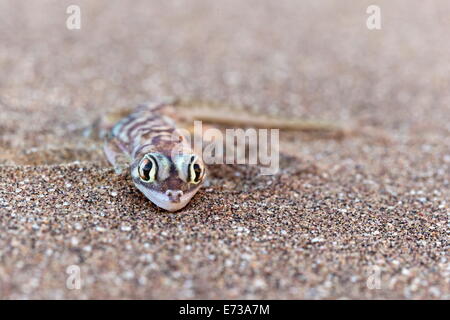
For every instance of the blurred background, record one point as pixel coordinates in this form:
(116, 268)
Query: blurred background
(313, 60)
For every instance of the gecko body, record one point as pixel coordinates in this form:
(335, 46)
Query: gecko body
(162, 164)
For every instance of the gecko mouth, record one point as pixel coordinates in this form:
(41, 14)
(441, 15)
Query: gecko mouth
(165, 202)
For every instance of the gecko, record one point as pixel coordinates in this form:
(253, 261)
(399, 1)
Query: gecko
(162, 164)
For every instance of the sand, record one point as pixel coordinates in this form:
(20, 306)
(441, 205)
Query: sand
(362, 216)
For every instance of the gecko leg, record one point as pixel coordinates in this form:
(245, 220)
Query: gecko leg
(119, 159)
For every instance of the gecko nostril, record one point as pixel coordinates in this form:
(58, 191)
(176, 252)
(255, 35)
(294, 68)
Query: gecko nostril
(174, 195)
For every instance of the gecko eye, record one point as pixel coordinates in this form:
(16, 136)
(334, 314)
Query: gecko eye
(147, 169)
(195, 171)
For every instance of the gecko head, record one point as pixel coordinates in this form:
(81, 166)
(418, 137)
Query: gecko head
(168, 181)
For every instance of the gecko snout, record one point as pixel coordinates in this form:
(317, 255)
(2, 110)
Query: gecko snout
(174, 195)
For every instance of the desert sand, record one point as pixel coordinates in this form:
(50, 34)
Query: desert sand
(361, 216)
